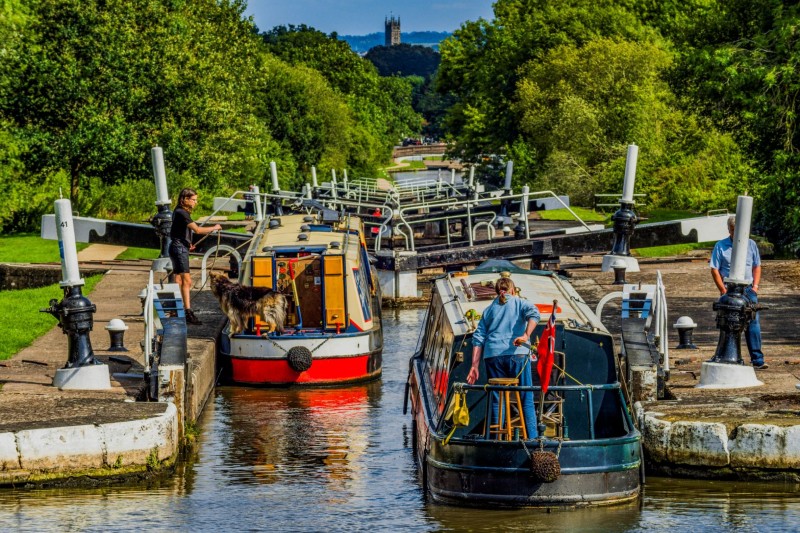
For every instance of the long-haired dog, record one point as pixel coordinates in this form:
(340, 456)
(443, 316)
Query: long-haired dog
(240, 302)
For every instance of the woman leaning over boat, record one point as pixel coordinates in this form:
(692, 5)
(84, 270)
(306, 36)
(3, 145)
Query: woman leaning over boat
(505, 325)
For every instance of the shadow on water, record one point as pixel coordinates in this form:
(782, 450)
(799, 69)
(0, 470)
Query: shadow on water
(341, 460)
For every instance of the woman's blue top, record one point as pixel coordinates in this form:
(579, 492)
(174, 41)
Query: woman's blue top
(501, 324)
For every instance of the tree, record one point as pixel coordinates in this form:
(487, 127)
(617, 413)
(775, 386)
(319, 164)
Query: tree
(740, 68)
(404, 60)
(98, 83)
(381, 105)
(480, 63)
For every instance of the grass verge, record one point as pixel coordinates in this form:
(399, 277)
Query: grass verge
(30, 248)
(587, 215)
(18, 329)
(132, 253)
(672, 249)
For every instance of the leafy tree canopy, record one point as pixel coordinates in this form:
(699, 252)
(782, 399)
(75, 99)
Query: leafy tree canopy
(404, 60)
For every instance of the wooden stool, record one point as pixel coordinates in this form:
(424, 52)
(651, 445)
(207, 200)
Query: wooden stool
(506, 424)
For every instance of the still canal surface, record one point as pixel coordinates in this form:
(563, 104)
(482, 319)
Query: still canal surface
(340, 460)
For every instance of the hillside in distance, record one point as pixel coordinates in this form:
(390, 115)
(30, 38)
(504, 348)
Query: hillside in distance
(362, 43)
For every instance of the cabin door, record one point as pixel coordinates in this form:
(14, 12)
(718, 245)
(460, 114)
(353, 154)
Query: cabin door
(308, 280)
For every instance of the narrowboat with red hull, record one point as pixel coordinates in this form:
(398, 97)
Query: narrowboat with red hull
(332, 334)
(590, 450)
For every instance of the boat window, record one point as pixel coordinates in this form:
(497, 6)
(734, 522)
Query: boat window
(442, 370)
(362, 287)
(431, 330)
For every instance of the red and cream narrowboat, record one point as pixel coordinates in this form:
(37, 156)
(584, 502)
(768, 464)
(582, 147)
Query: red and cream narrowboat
(333, 331)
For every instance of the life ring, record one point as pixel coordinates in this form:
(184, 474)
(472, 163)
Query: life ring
(299, 358)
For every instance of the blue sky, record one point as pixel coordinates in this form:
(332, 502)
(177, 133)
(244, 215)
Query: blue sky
(360, 17)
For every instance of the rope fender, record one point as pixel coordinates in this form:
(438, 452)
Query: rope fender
(299, 358)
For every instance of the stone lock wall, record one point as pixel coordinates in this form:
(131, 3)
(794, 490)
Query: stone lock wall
(708, 449)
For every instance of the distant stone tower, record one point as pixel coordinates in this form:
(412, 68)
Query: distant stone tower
(392, 31)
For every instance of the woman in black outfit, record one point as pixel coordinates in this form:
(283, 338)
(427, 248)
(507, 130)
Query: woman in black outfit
(181, 244)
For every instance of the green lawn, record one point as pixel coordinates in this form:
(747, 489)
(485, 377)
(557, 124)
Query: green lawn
(664, 215)
(30, 248)
(139, 253)
(671, 250)
(18, 329)
(587, 215)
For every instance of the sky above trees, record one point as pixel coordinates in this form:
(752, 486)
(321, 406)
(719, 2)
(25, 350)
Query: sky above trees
(360, 17)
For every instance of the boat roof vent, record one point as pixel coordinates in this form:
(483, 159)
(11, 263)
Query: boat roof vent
(308, 218)
(305, 227)
(336, 244)
(274, 223)
(266, 249)
(302, 237)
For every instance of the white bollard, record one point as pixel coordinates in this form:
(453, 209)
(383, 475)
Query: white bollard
(160, 175)
(630, 173)
(273, 170)
(70, 274)
(509, 173)
(741, 240)
(259, 211)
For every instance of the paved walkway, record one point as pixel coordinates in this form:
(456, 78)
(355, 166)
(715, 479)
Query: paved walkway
(100, 252)
(27, 397)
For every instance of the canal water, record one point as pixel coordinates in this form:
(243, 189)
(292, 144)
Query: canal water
(340, 460)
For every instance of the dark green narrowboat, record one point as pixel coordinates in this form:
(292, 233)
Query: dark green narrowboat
(589, 435)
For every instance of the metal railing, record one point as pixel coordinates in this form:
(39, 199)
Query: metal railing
(587, 390)
(618, 196)
(406, 226)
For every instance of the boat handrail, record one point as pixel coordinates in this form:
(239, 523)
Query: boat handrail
(534, 388)
(600, 386)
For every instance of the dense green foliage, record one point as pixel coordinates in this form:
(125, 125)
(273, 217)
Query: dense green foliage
(705, 88)
(87, 87)
(404, 60)
(562, 89)
(381, 106)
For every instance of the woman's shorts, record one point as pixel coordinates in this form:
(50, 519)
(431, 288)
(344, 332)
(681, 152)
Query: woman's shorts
(180, 257)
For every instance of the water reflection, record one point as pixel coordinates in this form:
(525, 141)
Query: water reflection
(340, 460)
(297, 435)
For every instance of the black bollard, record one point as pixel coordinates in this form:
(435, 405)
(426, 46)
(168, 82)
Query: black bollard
(162, 222)
(625, 221)
(685, 327)
(116, 329)
(74, 315)
(619, 267)
(734, 313)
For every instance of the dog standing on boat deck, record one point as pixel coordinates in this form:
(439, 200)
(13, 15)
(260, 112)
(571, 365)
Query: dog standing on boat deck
(240, 302)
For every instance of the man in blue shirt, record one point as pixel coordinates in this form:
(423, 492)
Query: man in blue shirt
(504, 326)
(721, 269)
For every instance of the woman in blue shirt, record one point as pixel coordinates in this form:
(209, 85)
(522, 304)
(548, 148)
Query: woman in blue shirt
(505, 325)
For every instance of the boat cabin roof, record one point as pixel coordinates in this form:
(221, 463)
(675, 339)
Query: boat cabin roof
(298, 233)
(474, 290)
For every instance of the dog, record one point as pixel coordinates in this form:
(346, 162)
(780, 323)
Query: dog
(240, 302)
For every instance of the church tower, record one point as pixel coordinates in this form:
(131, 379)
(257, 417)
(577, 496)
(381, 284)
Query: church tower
(392, 26)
